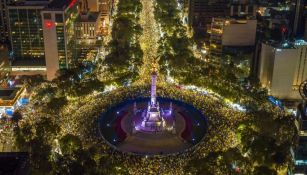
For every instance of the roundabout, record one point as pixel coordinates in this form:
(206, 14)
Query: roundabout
(185, 126)
(195, 124)
(105, 123)
(152, 126)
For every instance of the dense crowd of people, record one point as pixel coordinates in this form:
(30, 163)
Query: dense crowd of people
(80, 116)
(223, 122)
(57, 116)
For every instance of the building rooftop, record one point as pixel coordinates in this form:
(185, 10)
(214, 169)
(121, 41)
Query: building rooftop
(8, 94)
(286, 44)
(61, 4)
(92, 17)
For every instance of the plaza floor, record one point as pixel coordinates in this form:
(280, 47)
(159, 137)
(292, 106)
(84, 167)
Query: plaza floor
(185, 127)
(164, 142)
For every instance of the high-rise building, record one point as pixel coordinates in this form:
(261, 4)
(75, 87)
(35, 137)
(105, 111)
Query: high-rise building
(231, 32)
(87, 27)
(99, 5)
(201, 13)
(26, 37)
(274, 23)
(106, 8)
(26, 33)
(4, 26)
(88, 33)
(3, 22)
(300, 17)
(216, 33)
(58, 21)
(282, 68)
(4, 64)
(242, 9)
(300, 156)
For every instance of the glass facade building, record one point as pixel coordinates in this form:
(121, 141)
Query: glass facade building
(26, 32)
(3, 22)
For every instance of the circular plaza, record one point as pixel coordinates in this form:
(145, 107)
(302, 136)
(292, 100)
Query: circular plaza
(121, 126)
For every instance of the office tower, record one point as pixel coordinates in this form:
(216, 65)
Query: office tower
(216, 33)
(4, 64)
(242, 8)
(106, 8)
(59, 35)
(201, 13)
(300, 17)
(282, 68)
(3, 22)
(26, 34)
(231, 32)
(87, 26)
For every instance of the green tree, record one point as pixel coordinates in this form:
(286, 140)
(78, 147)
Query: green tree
(70, 144)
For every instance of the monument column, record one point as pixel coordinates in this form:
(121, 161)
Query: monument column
(153, 89)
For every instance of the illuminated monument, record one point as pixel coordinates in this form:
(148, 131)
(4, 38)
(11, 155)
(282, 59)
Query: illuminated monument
(152, 126)
(153, 120)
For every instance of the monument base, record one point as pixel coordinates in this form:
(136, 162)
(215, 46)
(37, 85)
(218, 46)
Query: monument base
(153, 121)
(152, 126)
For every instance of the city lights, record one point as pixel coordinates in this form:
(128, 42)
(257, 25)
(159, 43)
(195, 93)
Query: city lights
(145, 87)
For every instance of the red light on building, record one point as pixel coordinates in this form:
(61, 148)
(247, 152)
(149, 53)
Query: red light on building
(284, 29)
(72, 3)
(49, 24)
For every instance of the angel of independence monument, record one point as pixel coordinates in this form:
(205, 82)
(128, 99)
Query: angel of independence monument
(152, 125)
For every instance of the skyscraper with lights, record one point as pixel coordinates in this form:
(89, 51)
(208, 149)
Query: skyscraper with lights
(25, 31)
(58, 21)
(282, 68)
(3, 22)
(300, 18)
